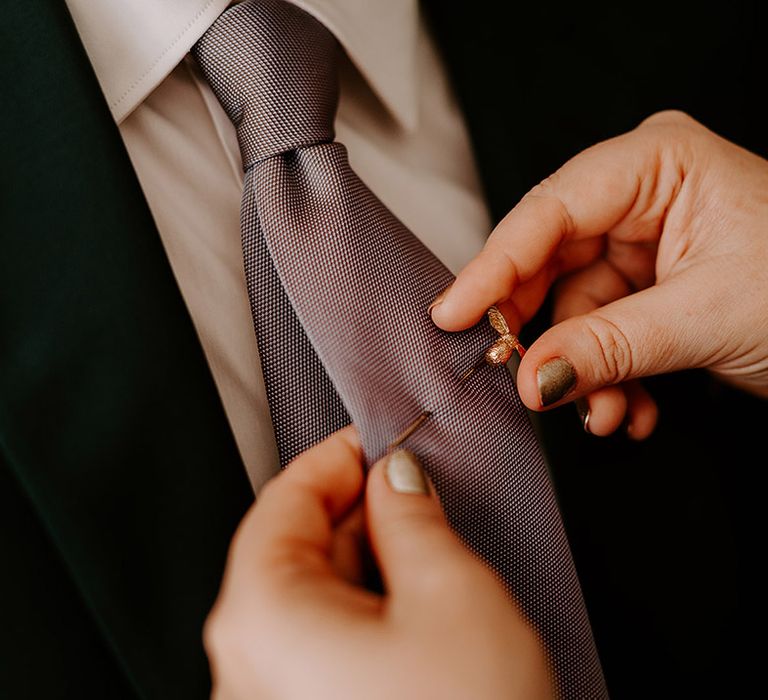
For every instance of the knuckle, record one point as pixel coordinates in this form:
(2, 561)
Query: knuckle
(674, 133)
(613, 352)
(231, 640)
(240, 546)
(674, 117)
(497, 251)
(216, 633)
(547, 191)
(545, 187)
(267, 491)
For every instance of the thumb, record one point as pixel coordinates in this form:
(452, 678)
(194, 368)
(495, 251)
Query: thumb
(414, 546)
(661, 329)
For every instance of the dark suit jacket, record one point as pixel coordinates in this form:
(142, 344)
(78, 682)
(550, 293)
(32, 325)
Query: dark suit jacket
(120, 484)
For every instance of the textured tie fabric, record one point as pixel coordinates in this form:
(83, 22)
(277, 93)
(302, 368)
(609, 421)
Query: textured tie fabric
(339, 291)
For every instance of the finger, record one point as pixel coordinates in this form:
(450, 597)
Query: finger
(653, 331)
(349, 541)
(293, 520)
(588, 289)
(633, 406)
(414, 546)
(280, 579)
(591, 194)
(576, 254)
(527, 299)
(642, 411)
(602, 412)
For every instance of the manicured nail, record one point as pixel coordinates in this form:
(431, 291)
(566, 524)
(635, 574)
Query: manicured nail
(404, 473)
(438, 300)
(556, 378)
(582, 406)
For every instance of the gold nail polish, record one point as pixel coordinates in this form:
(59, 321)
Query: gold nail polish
(404, 473)
(582, 407)
(555, 378)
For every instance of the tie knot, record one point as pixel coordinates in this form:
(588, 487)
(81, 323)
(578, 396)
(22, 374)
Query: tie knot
(273, 68)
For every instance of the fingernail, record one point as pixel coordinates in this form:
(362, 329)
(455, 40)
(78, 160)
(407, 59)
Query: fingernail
(438, 300)
(404, 473)
(556, 378)
(582, 406)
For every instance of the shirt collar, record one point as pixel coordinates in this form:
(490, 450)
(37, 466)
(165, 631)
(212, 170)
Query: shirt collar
(134, 45)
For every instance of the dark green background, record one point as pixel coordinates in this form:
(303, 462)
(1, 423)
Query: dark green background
(120, 483)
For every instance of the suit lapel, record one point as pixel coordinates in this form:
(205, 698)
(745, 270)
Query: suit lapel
(109, 418)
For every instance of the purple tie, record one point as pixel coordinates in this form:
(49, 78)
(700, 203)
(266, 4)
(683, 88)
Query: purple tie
(339, 291)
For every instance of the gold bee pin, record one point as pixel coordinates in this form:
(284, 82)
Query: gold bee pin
(502, 349)
(500, 352)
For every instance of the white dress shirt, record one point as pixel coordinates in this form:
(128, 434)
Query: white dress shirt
(397, 117)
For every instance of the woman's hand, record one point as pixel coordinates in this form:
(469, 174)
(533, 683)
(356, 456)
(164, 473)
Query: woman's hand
(293, 621)
(660, 241)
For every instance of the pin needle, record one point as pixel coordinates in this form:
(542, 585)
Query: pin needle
(467, 373)
(410, 430)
